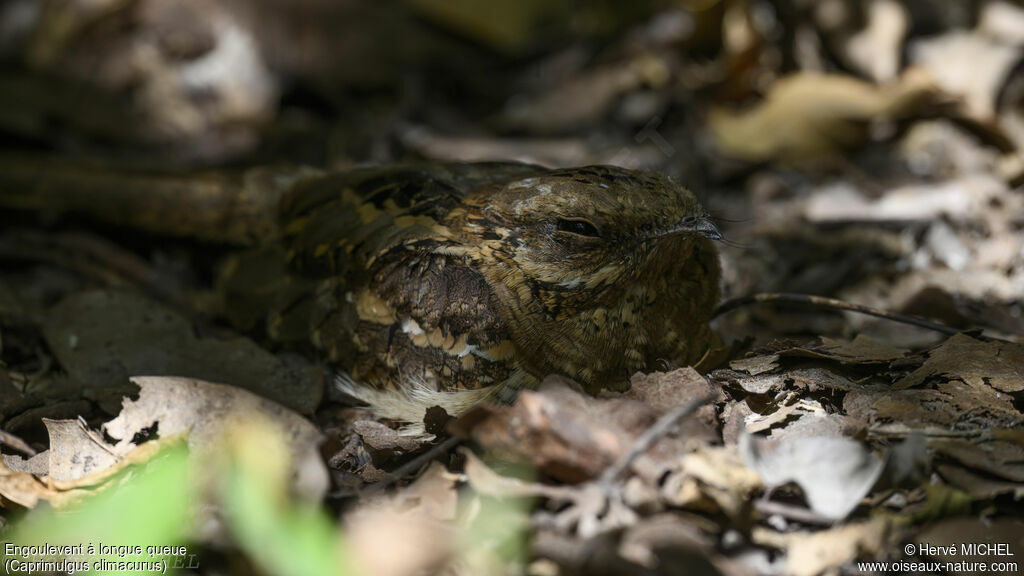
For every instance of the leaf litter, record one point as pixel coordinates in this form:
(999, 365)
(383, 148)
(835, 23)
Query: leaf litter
(891, 179)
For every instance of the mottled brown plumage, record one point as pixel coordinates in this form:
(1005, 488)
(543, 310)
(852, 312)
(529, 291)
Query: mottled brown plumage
(438, 284)
(445, 284)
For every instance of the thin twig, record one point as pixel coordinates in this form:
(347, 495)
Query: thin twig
(769, 508)
(415, 464)
(663, 426)
(18, 444)
(833, 304)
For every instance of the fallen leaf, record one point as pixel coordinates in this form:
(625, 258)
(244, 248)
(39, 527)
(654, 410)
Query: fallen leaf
(968, 64)
(978, 486)
(977, 363)
(819, 424)
(711, 478)
(76, 451)
(861, 350)
(810, 554)
(808, 116)
(998, 458)
(755, 365)
(834, 473)
(205, 410)
(876, 50)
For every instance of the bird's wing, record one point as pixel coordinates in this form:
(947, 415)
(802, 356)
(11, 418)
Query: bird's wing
(376, 283)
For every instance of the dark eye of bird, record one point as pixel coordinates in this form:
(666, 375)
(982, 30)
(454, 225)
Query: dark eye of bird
(578, 226)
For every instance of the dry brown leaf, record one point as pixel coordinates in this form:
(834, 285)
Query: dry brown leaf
(995, 457)
(977, 363)
(556, 431)
(807, 378)
(818, 424)
(755, 365)
(668, 535)
(951, 405)
(976, 485)
(573, 437)
(384, 440)
(664, 391)
(486, 481)
(861, 350)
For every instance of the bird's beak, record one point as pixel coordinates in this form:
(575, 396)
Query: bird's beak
(707, 228)
(702, 225)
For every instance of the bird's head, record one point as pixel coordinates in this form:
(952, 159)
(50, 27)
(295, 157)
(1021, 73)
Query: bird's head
(589, 228)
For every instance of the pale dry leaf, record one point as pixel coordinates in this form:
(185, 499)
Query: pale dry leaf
(807, 116)
(38, 465)
(962, 199)
(22, 488)
(386, 542)
(205, 410)
(824, 552)
(834, 473)
(1003, 21)
(968, 64)
(760, 422)
(817, 424)
(76, 451)
(28, 489)
(712, 474)
(434, 494)
(486, 481)
(876, 50)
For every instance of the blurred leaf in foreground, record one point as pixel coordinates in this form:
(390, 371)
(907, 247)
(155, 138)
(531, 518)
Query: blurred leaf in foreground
(283, 535)
(148, 508)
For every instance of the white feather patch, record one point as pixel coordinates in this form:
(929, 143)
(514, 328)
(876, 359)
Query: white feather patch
(409, 402)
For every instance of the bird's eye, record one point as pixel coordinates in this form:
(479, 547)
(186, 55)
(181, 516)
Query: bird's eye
(578, 226)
